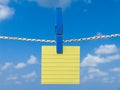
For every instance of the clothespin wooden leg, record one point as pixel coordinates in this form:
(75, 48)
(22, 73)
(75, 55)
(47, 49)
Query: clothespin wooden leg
(59, 44)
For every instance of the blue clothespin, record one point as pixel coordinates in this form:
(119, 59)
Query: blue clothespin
(59, 31)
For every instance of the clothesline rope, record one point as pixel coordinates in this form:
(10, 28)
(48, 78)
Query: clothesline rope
(65, 41)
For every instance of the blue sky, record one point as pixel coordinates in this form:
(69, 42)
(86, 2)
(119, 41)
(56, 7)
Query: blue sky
(20, 61)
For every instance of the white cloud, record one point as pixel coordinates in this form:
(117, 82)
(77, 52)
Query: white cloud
(4, 1)
(91, 60)
(103, 54)
(20, 65)
(94, 73)
(86, 78)
(10, 68)
(99, 34)
(6, 66)
(88, 1)
(97, 72)
(117, 69)
(106, 79)
(32, 60)
(106, 49)
(5, 12)
(109, 79)
(18, 82)
(30, 75)
(12, 78)
(94, 60)
(58, 3)
(111, 58)
(54, 3)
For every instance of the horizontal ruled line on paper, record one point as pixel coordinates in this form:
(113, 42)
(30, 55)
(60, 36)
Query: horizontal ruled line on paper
(60, 74)
(62, 66)
(60, 78)
(60, 54)
(72, 82)
(60, 62)
(48, 58)
(61, 70)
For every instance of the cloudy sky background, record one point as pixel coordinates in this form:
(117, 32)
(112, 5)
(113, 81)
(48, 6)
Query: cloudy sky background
(20, 62)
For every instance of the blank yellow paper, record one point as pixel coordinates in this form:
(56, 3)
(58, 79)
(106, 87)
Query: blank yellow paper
(60, 68)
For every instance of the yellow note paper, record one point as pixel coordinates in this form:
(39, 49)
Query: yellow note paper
(60, 68)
